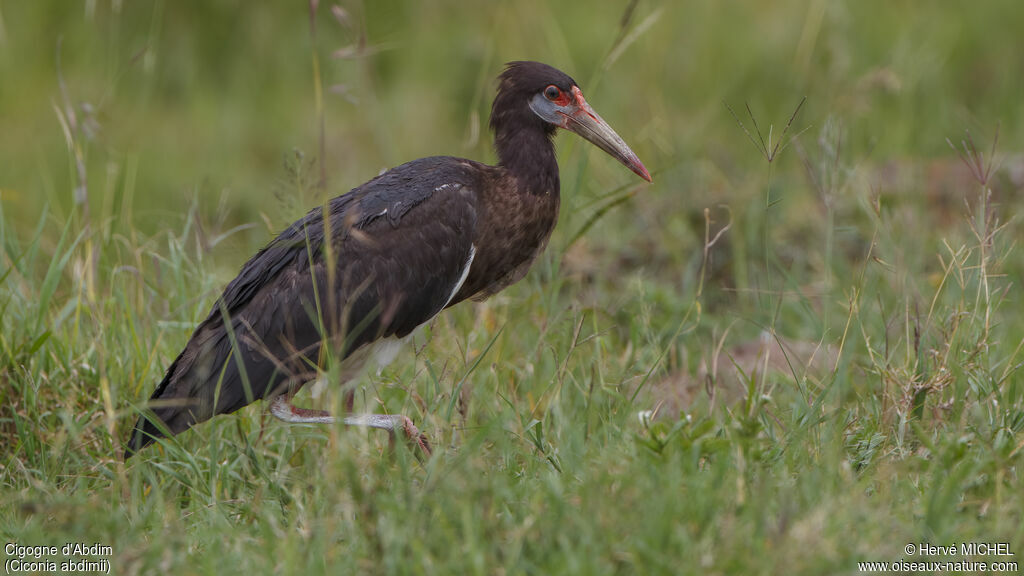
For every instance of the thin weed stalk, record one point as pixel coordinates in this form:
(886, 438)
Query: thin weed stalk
(769, 150)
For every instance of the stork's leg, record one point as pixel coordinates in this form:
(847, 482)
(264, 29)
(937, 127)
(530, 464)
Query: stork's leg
(282, 408)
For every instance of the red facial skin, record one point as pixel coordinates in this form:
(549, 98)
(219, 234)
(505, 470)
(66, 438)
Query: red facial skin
(582, 103)
(575, 102)
(563, 98)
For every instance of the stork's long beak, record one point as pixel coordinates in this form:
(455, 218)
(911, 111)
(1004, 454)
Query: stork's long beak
(585, 122)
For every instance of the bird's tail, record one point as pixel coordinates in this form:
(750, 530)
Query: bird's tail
(158, 421)
(145, 433)
(191, 392)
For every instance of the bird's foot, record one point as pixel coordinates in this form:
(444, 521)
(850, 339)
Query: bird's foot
(418, 438)
(393, 423)
(281, 408)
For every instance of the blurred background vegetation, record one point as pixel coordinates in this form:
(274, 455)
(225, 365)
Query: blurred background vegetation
(837, 374)
(198, 99)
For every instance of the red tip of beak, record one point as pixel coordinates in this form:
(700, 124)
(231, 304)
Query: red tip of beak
(631, 161)
(642, 172)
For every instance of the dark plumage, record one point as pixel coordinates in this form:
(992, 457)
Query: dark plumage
(386, 258)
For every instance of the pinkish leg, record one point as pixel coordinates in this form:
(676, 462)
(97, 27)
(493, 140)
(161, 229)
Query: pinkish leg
(282, 408)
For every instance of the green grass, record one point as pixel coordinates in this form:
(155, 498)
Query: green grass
(830, 341)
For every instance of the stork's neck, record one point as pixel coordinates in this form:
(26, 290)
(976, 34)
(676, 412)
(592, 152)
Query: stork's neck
(527, 151)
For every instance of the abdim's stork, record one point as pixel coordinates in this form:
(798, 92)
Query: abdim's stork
(386, 257)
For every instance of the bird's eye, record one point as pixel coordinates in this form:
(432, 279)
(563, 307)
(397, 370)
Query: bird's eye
(552, 92)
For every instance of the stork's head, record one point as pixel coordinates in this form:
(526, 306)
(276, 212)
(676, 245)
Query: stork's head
(557, 101)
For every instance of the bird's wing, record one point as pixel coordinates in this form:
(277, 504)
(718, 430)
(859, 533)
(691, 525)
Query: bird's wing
(399, 250)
